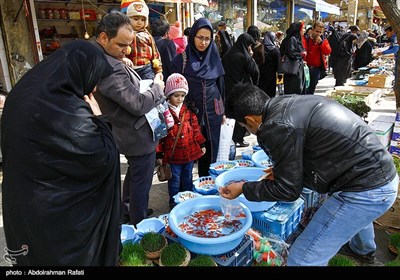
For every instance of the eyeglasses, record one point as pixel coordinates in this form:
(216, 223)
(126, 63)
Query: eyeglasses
(204, 39)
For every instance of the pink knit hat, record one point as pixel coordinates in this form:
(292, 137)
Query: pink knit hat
(175, 30)
(176, 82)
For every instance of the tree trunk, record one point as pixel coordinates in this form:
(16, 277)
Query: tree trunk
(392, 13)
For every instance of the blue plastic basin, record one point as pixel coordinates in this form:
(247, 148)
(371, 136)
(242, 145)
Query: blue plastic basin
(129, 234)
(261, 159)
(247, 174)
(205, 185)
(200, 245)
(150, 224)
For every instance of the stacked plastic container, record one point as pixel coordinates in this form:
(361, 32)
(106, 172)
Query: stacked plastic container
(282, 219)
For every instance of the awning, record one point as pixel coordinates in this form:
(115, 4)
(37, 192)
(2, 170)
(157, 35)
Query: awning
(322, 6)
(202, 2)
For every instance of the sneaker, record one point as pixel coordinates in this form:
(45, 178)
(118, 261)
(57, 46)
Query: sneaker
(347, 251)
(242, 144)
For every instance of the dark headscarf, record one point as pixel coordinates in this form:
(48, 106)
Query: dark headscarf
(269, 39)
(348, 48)
(292, 31)
(61, 184)
(254, 32)
(242, 44)
(207, 64)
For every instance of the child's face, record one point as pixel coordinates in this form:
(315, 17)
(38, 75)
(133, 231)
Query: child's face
(177, 98)
(138, 22)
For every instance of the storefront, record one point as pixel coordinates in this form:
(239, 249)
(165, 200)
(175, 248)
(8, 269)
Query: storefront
(233, 12)
(272, 15)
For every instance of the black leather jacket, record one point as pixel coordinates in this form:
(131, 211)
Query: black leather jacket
(316, 142)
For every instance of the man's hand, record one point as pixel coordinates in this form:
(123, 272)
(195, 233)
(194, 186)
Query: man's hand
(127, 62)
(158, 79)
(232, 191)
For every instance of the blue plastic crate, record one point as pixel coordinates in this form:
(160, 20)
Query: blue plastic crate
(242, 255)
(282, 219)
(311, 198)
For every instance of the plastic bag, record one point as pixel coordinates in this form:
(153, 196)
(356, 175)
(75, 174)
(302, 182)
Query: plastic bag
(232, 209)
(225, 140)
(269, 250)
(157, 122)
(307, 75)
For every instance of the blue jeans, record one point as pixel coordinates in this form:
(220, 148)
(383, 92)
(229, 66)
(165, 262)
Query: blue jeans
(180, 172)
(345, 216)
(314, 78)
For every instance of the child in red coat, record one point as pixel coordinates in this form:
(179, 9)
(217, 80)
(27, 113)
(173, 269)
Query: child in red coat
(190, 144)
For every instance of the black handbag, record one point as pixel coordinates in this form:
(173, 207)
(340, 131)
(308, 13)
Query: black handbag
(288, 66)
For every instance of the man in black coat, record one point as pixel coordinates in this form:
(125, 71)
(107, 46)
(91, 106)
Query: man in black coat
(314, 141)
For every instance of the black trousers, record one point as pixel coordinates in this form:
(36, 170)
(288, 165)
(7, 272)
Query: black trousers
(136, 187)
(239, 133)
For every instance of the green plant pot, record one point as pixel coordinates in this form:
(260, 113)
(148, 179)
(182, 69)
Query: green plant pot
(394, 243)
(153, 243)
(202, 260)
(340, 260)
(132, 255)
(174, 255)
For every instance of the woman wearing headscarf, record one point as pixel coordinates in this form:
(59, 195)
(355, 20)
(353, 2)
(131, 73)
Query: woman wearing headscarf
(240, 67)
(363, 54)
(201, 65)
(269, 69)
(344, 60)
(258, 47)
(61, 169)
(292, 47)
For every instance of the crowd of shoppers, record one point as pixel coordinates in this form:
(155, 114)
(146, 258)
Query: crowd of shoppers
(62, 138)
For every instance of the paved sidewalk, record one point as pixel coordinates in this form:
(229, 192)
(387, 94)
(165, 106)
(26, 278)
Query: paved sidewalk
(159, 190)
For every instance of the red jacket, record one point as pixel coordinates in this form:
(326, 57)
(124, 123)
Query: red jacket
(188, 147)
(316, 52)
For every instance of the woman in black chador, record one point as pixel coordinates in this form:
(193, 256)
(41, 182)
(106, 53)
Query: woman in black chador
(61, 176)
(292, 47)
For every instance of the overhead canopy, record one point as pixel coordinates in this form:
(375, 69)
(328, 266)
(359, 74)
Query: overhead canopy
(202, 2)
(322, 6)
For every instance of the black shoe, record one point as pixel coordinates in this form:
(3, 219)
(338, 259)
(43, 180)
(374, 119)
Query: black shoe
(125, 219)
(150, 212)
(172, 205)
(368, 258)
(242, 144)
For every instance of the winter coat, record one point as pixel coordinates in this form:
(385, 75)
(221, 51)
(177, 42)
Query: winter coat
(316, 142)
(188, 147)
(119, 98)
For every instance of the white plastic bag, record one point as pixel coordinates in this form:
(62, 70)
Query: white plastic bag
(225, 140)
